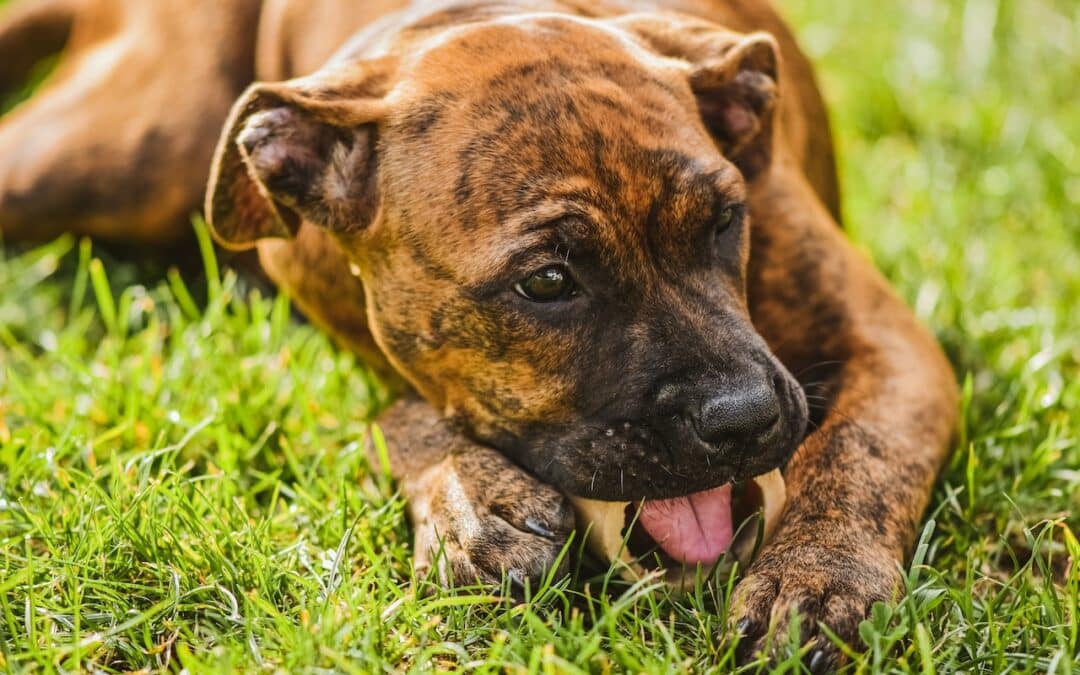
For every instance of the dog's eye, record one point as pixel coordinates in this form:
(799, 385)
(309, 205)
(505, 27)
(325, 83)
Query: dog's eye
(549, 284)
(726, 218)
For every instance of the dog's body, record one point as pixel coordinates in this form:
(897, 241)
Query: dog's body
(605, 156)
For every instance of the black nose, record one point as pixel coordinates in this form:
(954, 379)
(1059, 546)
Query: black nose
(741, 414)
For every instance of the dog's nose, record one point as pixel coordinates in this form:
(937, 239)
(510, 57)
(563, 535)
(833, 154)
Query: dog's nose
(740, 415)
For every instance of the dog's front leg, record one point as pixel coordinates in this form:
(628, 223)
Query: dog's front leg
(863, 476)
(476, 516)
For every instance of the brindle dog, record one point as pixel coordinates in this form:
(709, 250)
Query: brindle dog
(595, 242)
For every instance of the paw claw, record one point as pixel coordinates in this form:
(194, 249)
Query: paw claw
(818, 662)
(516, 577)
(538, 528)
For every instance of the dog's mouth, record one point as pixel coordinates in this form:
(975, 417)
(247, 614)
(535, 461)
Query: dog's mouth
(683, 534)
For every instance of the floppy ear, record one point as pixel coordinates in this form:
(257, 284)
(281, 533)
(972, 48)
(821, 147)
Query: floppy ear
(302, 150)
(733, 75)
(737, 93)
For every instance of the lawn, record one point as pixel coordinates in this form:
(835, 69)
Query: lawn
(183, 473)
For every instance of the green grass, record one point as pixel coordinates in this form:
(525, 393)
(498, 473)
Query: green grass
(183, 481)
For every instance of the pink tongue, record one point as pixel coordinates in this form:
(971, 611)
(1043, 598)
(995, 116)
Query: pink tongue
(692, 529)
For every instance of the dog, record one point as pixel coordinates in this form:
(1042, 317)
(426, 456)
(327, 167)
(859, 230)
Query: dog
(595, 245)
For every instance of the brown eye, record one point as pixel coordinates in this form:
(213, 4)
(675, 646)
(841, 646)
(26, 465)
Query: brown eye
(547, 285)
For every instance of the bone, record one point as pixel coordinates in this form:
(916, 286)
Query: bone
(606, 523)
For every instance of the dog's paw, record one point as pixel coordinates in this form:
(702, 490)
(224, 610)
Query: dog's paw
(814, 584)
(478, 518)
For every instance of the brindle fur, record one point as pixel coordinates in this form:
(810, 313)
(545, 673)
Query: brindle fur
(393, 190)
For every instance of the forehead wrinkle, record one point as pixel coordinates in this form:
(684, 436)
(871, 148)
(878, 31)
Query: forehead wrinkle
(634, 229)
(543, 240)
(619, 94)
(548, 198)
(676, 197)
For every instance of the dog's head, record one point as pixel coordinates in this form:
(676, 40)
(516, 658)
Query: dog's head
(549, 217)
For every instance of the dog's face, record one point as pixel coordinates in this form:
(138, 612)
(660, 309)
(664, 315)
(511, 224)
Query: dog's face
(549, 216)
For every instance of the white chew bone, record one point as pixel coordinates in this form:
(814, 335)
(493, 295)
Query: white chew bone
(606, 523)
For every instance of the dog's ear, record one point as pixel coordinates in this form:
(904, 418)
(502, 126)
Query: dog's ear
(737, 94)
(733, 75)
(301, 150)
